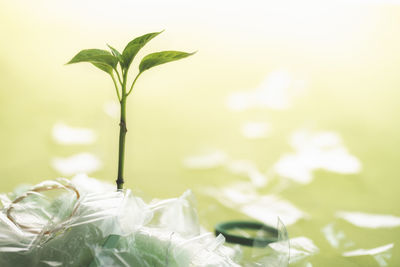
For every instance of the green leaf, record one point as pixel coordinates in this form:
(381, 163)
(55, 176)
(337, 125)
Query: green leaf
(159, 58)
(104, 67)
(116, 54)
(133, 47)
(100, 58)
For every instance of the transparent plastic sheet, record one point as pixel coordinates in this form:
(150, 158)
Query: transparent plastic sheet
(341, 241)
(172, 237)
(59, 223)
(48, 227)
(276, 254)
(260, 254)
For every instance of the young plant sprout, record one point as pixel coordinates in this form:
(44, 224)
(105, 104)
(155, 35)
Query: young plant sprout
(109, 63)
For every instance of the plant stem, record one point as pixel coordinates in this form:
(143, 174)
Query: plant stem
(134, 81)
(122, 133)
(115, 84)
(119, 77)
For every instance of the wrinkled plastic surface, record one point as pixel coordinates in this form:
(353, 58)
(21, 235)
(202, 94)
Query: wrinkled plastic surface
(86, 223)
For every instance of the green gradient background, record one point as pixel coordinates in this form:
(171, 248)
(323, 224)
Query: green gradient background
(349, 55)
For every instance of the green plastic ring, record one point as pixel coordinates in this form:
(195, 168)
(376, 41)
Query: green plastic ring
(223, 228)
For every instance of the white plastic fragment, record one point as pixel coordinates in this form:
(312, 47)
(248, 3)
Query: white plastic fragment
(268, 208)
(368, 220)
(52, 263)
(295, 168)
(300, 248)
(247, 168)
(79, 163)
(255, 130)
(381, 254)
(218, 158)
(208, 160)
(320, 150)
(67, 135)
(336, 238)
(265, 208)
(277, 92)
(373, 251)
(87, 184)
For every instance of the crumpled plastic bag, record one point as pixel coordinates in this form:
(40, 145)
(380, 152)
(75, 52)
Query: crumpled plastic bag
(85, 222)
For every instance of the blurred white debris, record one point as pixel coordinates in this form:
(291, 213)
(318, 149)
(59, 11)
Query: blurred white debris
(88, 184)
(208, 160)
(67, 135)
(254, 130)
(79, 163)
(247, 168)
(381, 254)
(300, 248)
(218, 158)
(112, 108)
(266, 208)
(52, 263)
(277, 91)
(320, 150)
(294, 167)
(373, 251)
(369, 220)
(335, 237)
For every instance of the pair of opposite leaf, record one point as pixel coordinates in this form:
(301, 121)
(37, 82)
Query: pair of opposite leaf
(108, 62)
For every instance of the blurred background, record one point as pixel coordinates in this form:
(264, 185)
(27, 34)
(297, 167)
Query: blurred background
(289, 108)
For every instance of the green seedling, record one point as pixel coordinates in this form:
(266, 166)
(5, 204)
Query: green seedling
(117, 65)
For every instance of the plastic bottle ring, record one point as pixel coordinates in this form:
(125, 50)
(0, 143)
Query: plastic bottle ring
(225, 227)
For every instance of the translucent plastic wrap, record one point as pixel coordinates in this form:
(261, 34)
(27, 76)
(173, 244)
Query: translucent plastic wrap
(87, 223)
(276, 254)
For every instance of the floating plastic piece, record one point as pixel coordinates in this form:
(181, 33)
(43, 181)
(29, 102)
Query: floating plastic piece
(255, 130)
(277, 92)
(368, 220)
(67, 135)
(336, 238)
(208, 160)
(79, 163)
(265, 208)
(247, 168)
(320, 150)
(219, 158)
(277, 253)
(381, 254)
(300, 248)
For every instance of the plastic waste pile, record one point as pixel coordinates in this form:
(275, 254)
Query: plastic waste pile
(85, 222)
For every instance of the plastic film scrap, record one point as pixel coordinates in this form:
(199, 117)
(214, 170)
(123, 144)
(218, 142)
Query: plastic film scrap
(85, 223)
(276, 254)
